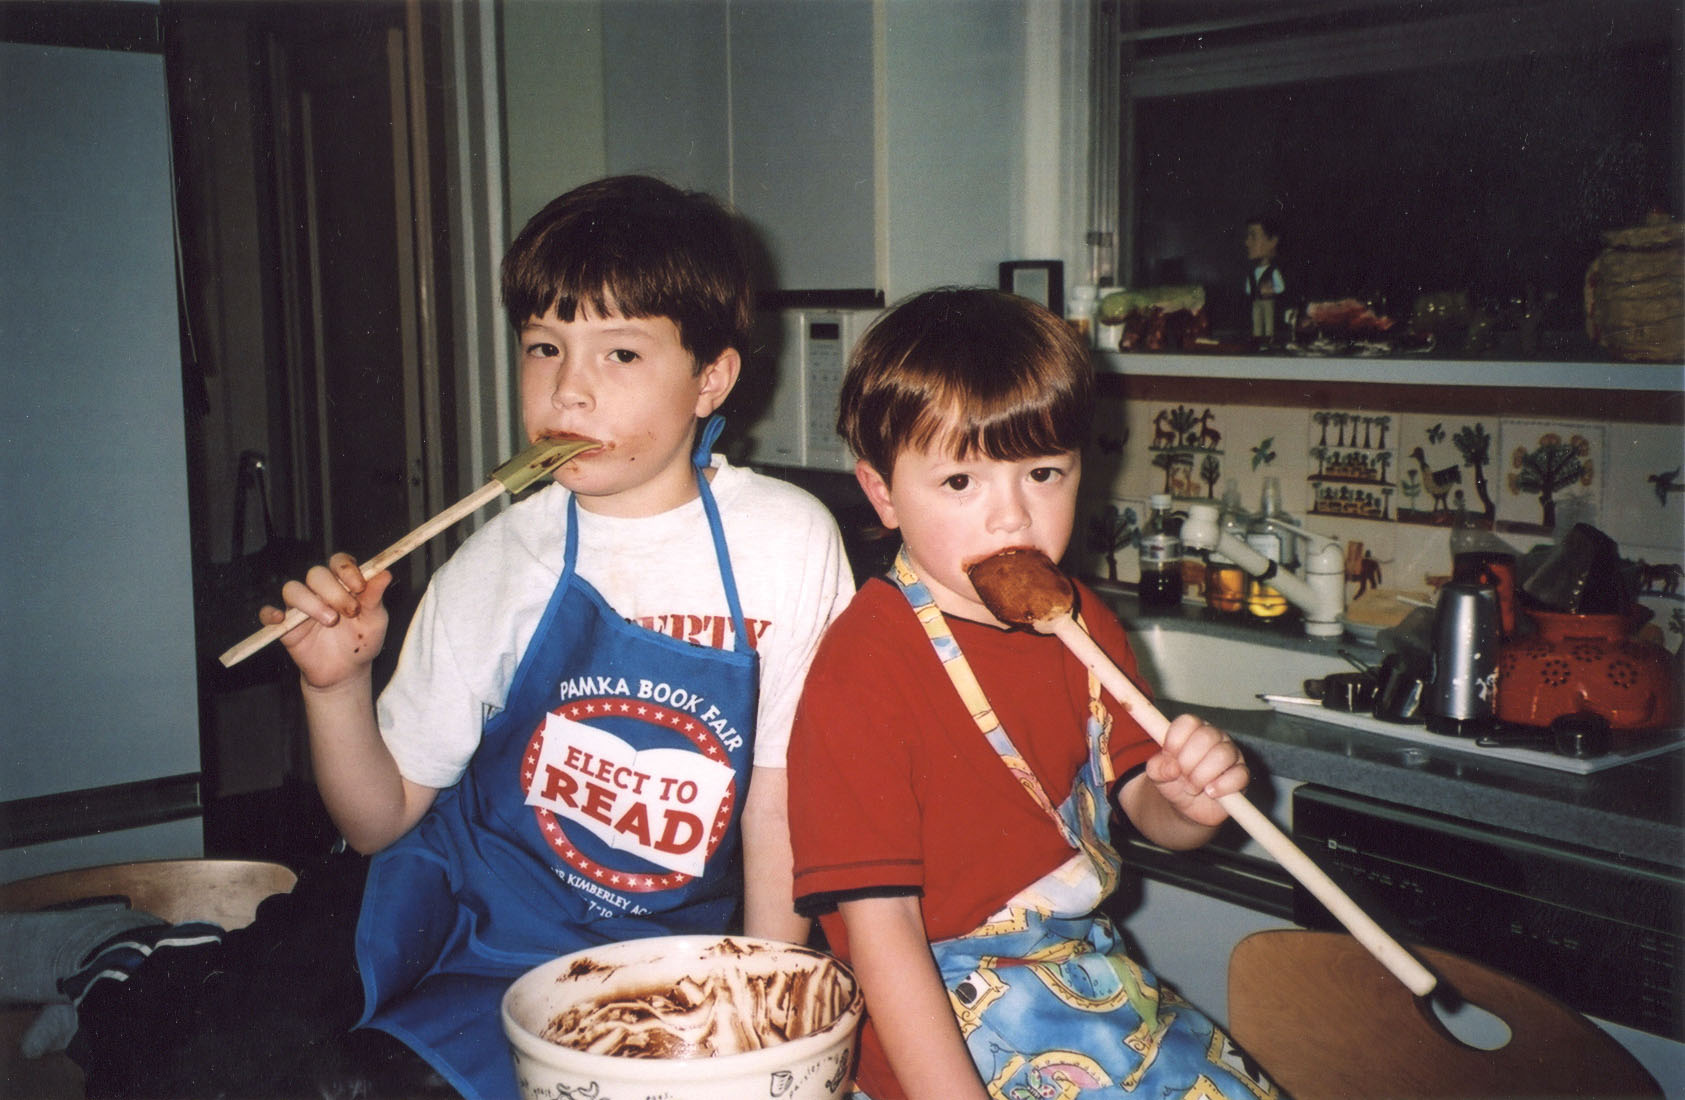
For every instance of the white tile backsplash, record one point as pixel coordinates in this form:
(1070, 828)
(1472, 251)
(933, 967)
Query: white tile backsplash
(1630, 479)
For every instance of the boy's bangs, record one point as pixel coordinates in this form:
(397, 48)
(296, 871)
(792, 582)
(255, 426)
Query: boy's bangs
(1022, 419)
(639, 248)
(601, 280)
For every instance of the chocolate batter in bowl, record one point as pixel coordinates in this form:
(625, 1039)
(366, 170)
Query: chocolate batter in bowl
(723, 1016)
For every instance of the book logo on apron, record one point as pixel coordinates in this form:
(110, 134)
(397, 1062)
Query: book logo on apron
(668, 806)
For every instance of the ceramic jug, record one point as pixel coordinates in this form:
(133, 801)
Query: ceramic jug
(1586, 664)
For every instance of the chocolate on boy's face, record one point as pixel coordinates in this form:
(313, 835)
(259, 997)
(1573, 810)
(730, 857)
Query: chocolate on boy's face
(629, 382)
(953, 512)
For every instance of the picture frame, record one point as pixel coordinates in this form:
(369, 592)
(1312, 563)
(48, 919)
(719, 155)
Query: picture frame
(1041, 281)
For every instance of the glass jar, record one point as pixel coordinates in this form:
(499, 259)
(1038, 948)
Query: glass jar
(1161, 558)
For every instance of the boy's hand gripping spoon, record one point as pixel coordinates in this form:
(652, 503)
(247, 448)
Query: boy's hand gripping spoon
(1024, 588)
(519, 472)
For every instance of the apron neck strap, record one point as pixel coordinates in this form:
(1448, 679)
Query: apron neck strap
(701, 460)
(959, 672)
(705, 440)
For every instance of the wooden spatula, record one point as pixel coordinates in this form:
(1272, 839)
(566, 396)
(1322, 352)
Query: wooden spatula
(519, 472)
(1024, 588)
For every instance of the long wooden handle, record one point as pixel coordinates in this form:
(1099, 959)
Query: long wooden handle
(1388, 951)
(480, 497)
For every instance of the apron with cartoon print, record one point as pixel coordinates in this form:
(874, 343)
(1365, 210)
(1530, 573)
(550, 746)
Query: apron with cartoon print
(1047, 1000)
(602, 804)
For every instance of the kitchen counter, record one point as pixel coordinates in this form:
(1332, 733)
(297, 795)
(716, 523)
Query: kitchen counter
(1634, 811)
(1575, 883)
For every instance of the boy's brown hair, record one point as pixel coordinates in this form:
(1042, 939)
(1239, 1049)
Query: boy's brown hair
(978, 371)
(646, 248)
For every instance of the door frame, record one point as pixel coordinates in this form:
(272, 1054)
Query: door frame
(423, 278)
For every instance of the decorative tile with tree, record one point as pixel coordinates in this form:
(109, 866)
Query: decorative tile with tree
(1352, 464)
(1106, 536)
(1551, 475)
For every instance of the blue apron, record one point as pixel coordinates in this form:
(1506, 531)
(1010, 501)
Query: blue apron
(601, 805)
(1047, 999)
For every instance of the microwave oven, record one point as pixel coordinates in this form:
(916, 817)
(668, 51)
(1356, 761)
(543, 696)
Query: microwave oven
(799, 424)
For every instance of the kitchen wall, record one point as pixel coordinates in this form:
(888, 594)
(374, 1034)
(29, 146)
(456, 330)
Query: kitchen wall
(975, 153)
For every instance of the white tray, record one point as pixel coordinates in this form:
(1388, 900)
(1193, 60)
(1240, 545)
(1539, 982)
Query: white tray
(1539, 758)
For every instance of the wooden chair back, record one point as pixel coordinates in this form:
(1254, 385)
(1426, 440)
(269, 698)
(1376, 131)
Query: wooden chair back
(1324, 1019)
(222, 891)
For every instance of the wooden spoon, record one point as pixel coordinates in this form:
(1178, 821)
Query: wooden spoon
(1024, 588)
(519, 472)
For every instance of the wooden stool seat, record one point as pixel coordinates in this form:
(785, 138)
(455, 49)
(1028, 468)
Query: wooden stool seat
(1324, 1019)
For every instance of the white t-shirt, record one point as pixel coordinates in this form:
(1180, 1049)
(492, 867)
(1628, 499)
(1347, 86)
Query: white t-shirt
(482, 608)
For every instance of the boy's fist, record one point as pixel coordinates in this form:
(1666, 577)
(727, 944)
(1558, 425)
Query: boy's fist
(347, 620)
(1198, 765)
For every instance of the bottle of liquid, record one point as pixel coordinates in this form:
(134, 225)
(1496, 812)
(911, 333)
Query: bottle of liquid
(1225, 582)
(1079, 311)
(1161, 558)
(1263, 601)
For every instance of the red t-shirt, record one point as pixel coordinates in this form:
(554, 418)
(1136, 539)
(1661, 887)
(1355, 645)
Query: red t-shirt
(893, 787)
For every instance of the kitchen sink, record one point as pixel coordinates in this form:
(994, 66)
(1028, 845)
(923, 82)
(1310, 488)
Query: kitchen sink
(1202, 668)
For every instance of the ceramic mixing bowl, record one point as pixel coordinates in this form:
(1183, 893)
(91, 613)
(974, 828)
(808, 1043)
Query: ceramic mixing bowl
(698, 1017)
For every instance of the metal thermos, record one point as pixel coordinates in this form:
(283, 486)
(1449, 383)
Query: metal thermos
(1462, 693)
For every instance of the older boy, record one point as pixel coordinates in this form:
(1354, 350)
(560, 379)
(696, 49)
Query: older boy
(951, 781)
(592, 705)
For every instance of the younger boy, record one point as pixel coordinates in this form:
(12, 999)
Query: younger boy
(951, 781)
(590, 711)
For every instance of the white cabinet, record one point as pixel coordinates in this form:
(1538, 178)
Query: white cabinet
(802, 123)
(768, 103)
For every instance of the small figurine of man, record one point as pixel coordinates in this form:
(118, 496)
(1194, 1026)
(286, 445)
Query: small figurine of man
(1264, 283)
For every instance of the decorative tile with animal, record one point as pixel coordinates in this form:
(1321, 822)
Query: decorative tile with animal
(1658, 576)
(1187, 446)
(1447, 467)
(1371, 564)
(1643, 496)
(1353, 464)
(1665, 483)
(1551, 475)
(1657, 572)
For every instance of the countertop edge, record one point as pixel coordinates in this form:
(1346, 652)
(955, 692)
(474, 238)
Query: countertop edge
(1496, 794)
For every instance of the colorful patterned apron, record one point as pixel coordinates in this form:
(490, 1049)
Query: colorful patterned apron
(1047, 1000)
(602, 804)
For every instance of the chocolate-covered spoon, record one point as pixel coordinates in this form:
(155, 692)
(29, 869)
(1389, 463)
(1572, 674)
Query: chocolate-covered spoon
(1024, 588)
(526, 468)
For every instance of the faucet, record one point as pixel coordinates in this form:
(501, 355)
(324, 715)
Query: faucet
(1320, 593)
